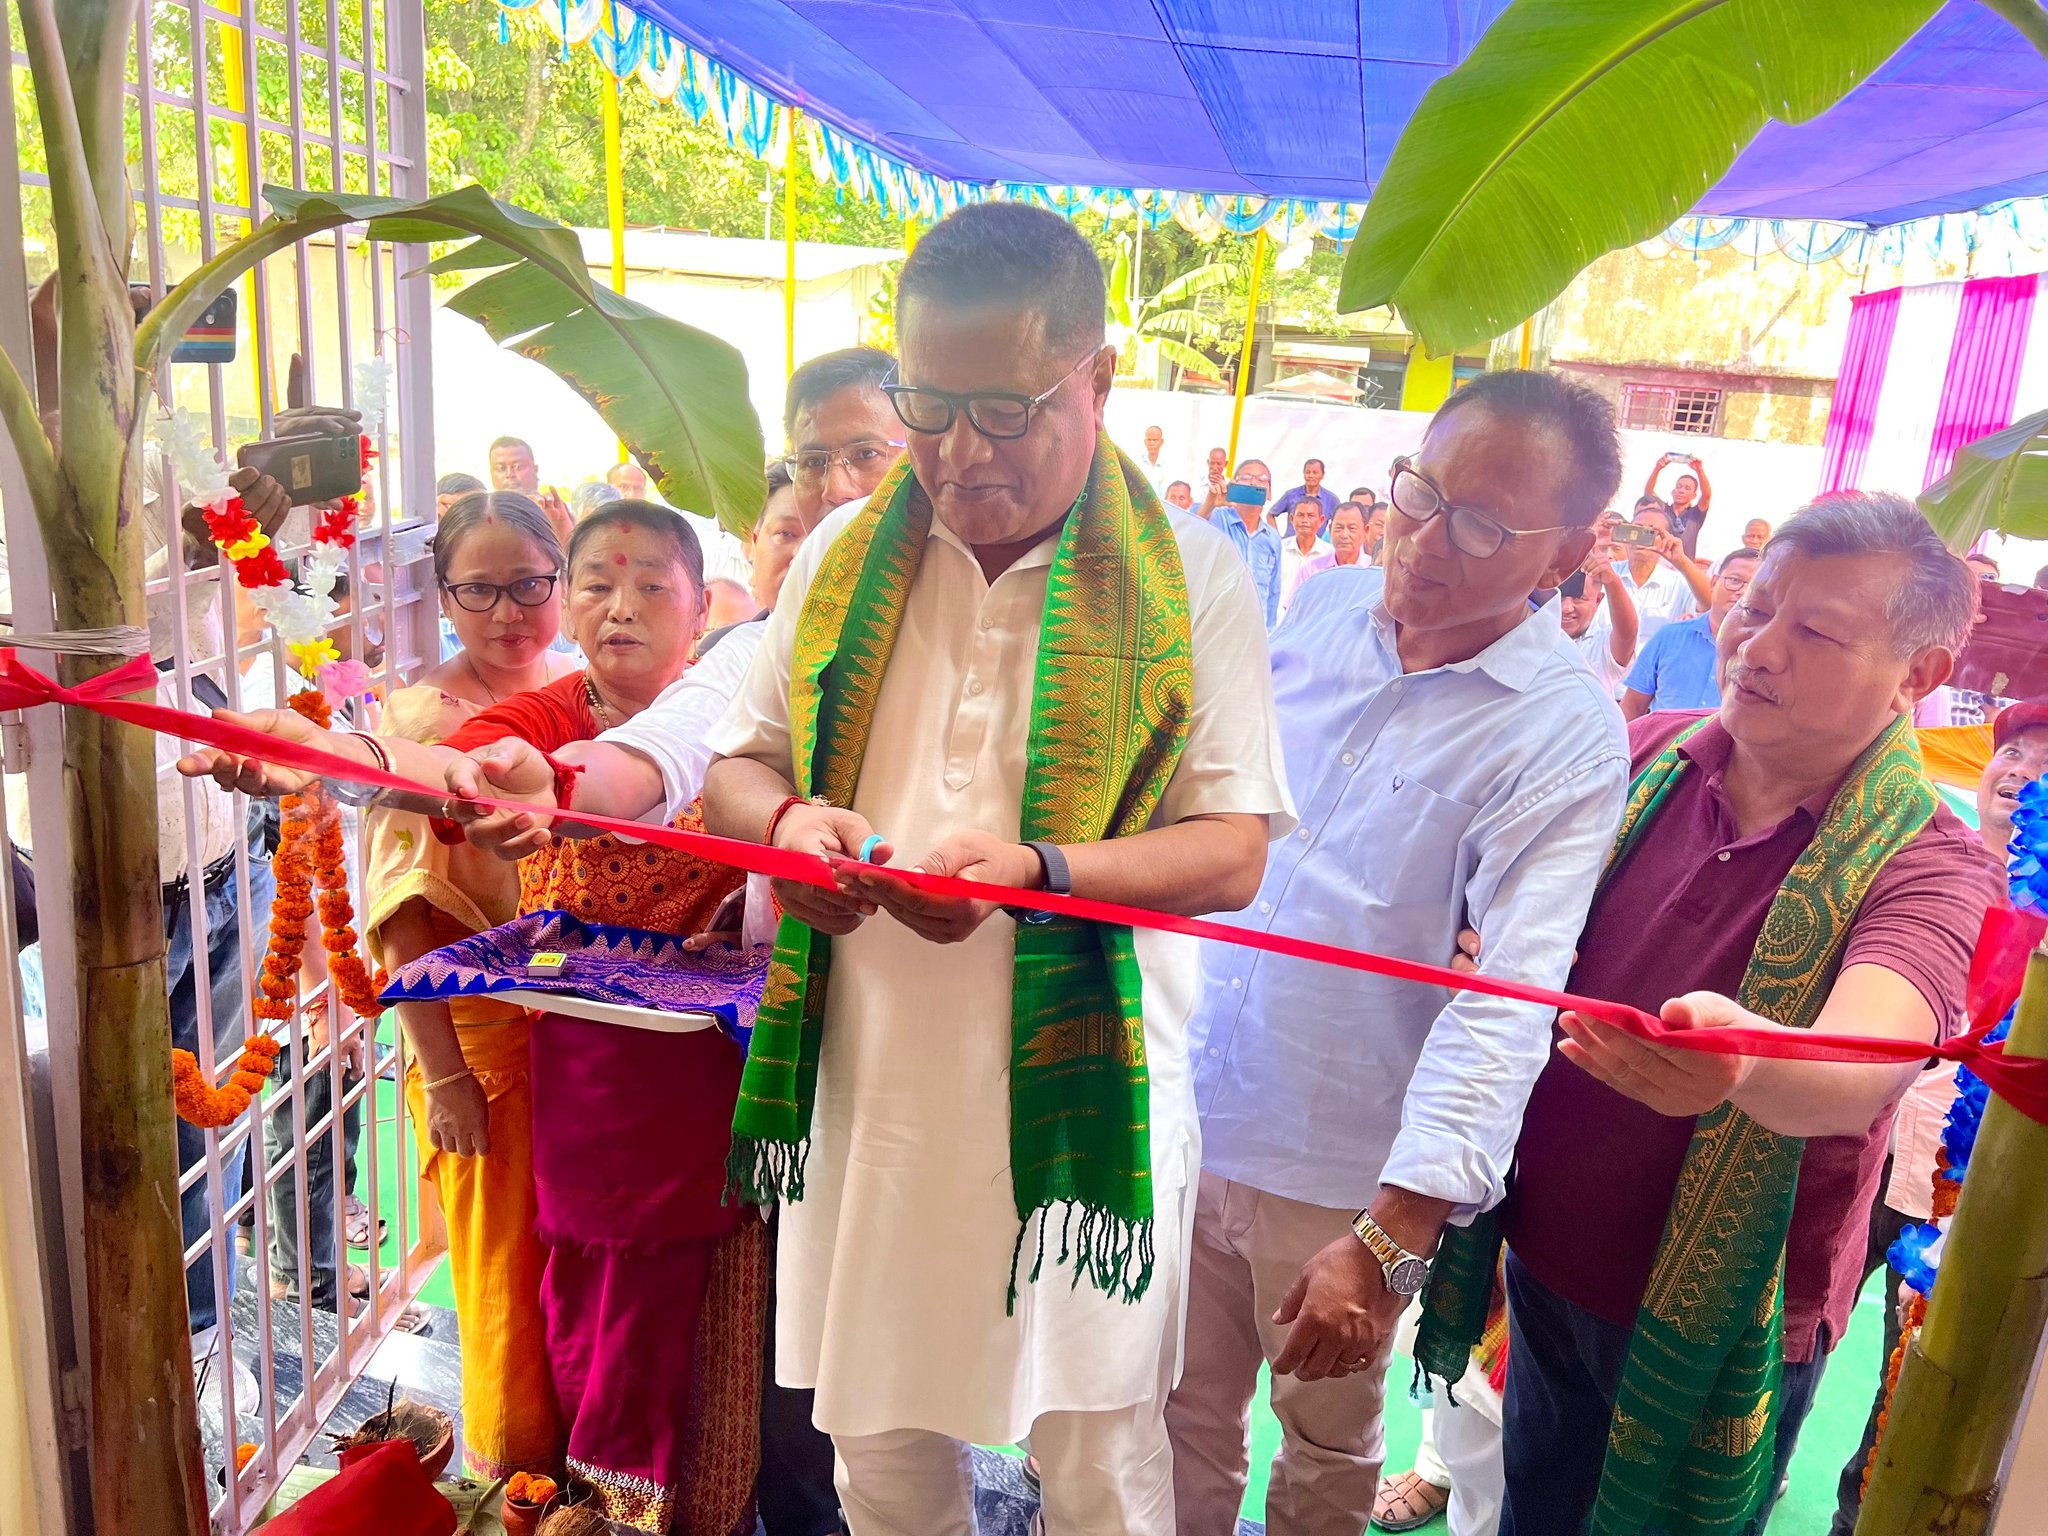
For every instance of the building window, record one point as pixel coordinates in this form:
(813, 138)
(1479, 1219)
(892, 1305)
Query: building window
(1670, 408)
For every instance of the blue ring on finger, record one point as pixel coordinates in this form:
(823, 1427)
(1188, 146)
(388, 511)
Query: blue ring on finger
(868, 846)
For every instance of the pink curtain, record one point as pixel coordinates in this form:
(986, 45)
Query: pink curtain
(1983, 366)
(1853, 412)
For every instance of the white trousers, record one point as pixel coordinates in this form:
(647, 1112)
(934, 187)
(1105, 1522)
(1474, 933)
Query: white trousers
(1104, 1474)
(1460, 1450)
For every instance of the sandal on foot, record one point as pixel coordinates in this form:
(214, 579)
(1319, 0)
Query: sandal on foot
(1407, 1502)
(357, 1227)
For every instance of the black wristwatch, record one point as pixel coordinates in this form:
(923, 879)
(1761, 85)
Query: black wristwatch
(1059, 880)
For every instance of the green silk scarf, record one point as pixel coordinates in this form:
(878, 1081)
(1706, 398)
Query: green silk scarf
(1691, 1443)
(1110, 704)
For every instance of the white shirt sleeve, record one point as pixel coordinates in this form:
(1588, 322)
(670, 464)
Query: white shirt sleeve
(1539, 864)
(674, 732)
(1231, 762)
(757, 724)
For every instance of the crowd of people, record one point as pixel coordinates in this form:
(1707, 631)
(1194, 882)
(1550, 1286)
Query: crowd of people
(985, 1178)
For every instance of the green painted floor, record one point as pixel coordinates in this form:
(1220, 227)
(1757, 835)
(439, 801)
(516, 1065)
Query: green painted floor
(1829, 1438)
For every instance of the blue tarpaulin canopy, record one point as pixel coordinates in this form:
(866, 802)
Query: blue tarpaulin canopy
(1305, 98)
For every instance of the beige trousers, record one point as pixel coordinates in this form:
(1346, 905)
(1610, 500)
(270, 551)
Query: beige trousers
(1104, 1474)
(1248, 1249)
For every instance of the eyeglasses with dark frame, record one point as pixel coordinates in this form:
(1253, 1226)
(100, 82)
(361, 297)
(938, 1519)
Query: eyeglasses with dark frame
(1002, 414)
(1478, 534)
(864, 456)
(483, 596)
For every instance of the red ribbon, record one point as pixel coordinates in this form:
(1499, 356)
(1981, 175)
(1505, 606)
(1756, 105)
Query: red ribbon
(1996, 972)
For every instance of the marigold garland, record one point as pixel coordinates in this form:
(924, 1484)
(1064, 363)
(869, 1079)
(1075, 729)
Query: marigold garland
(208, 1107)
(312, 875)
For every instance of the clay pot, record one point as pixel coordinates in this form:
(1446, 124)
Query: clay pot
(522, 1519)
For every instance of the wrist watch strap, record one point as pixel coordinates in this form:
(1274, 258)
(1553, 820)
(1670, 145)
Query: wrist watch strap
(1405, 1273)
(1059, 880)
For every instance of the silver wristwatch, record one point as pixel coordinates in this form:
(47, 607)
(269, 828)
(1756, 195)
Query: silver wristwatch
(1406, 1273)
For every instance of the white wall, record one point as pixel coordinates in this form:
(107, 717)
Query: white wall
(1767, 480)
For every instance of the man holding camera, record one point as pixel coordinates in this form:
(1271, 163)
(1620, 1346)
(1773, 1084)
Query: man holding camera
(1662, 581)
(1239, 509)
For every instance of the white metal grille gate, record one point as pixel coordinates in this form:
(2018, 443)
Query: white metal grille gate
(223, 96)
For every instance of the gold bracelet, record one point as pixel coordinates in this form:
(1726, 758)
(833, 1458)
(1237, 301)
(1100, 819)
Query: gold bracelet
(443, 1082)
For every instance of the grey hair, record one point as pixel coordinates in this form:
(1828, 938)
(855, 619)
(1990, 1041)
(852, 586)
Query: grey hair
(1936, 599)
(591, 495)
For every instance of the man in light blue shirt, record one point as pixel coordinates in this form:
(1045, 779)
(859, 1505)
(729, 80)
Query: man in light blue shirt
(1453, 765)
(1240, 513)
(1281, 513)
(1679, 668)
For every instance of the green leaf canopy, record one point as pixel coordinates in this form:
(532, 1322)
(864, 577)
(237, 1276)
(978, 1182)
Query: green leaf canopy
(1576, 127)
(677, 396)
(1997, 484)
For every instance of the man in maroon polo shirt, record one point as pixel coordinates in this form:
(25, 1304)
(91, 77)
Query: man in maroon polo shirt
(1853, 617)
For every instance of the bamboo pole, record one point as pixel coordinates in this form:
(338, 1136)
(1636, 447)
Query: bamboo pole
(615, 199)
(796, 122)
(1251, 330)
(1965, 1376)
(1528, 341)
(147, 1475)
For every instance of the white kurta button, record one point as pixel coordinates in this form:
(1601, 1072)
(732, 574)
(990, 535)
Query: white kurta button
(1722, 855)
(974, 687)
(1266, 908)
(1236, 982)
(1302, 834)
(1348, 759)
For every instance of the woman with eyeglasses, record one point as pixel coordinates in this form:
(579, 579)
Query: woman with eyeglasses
(499, 569)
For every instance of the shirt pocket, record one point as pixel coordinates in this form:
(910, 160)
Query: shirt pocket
(1412, 839)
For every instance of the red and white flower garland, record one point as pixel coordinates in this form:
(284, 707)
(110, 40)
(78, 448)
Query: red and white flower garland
(300, 614)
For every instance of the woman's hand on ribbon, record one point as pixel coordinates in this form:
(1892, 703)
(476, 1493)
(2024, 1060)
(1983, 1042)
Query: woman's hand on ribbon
(826, 831)
(1675, 1082)
(249, 775)
(966, 856)
(510, 769)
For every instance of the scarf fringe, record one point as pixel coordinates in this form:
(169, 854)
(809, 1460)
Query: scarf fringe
(765, 1172)
(1113, 1253)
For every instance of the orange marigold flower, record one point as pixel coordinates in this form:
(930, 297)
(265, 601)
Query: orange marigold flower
(244, 1454)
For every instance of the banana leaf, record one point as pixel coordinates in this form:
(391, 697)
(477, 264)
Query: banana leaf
(1576, 127)
(1998, 484)
(674, 394)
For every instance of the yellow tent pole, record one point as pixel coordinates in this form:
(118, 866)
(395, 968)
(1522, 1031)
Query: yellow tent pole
(234, 64)
(615, 200)
(789, 245)
(1528, 339)
(1251, 327)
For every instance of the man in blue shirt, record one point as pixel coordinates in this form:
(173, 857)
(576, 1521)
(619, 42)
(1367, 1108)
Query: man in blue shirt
(1240, 512)
(1310, 489)
(1678, 669)
(1452, 761)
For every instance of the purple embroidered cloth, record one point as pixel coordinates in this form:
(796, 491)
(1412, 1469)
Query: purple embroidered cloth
(628, 966)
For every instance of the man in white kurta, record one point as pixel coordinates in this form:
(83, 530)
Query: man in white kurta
(893, 1268)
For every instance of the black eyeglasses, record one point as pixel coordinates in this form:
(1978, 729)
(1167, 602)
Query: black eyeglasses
(1478, 534)
(999, 413)
(483, 596)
